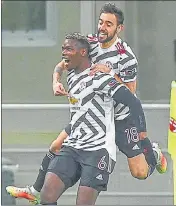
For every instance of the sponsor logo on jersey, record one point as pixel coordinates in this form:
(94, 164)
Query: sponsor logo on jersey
(73, 100)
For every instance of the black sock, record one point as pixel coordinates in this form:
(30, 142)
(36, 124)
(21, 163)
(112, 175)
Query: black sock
(42, 171)
(150, 155)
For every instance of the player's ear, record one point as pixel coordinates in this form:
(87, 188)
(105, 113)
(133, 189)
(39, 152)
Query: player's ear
(83, 52)
(120, 28)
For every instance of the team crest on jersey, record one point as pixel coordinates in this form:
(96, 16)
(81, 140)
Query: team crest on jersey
(112, 83)
(172, 125)
(109, 64)
(73, 100)
(82, 86)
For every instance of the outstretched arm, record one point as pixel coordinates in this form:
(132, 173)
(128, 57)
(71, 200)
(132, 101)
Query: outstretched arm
(124, 96)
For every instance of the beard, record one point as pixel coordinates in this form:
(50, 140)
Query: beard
(108, 38)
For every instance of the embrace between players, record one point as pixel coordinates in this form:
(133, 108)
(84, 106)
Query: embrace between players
(104, 114)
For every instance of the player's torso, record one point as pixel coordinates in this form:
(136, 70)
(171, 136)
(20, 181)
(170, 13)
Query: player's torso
(83, 98)
(115, 57)
(108, 56)
(90, 113)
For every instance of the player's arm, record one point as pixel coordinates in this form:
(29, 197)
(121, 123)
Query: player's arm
(132, 86)
(57, 143)
(128, 75)
(121, 94)
(58, 88)
(128, 69)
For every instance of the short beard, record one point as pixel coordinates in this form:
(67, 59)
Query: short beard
(108, 39)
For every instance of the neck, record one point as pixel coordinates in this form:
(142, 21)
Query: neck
(109, 43)
(83, 66)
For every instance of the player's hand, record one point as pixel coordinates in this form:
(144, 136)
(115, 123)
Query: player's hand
(99, 68)
(59, 90)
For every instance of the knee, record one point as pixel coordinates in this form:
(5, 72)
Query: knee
(138, 167)
(140, 173)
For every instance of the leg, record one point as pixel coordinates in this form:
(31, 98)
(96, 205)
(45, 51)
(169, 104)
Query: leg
(128, 142)
(52, 189)
(86, 195)
(55, 146)
(42, 171)
(63, 172)
(138, 166)
(146, 145)
(95, 176)
(32, 193)
(152, 152)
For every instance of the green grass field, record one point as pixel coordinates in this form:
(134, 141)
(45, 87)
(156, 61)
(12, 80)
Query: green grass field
(15, 138)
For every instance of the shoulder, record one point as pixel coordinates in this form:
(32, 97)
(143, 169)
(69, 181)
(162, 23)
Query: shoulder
(106, 84)
(126, 47)
(102, 78)
(71, 73)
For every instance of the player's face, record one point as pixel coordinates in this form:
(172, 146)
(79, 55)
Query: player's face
(71, 53)
(107, 27)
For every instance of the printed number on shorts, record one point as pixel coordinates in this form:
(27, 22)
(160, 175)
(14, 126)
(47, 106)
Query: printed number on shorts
(132, 134)
(102, 164)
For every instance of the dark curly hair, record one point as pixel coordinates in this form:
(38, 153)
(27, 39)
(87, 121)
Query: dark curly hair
(113, 9)
(82, 40)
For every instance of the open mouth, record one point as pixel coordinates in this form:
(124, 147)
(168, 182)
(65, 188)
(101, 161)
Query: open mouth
(65, 59)
(102, 34)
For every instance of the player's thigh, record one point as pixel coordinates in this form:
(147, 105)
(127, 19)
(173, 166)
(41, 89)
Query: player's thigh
(96, 168)
(127, 137)
(65, 166)
(129, 143)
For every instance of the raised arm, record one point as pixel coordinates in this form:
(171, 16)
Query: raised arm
(58, 88)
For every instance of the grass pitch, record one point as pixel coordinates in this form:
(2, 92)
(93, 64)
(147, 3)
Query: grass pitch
(15, 138)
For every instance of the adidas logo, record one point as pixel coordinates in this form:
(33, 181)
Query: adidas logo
(99, 177)
(135, 147)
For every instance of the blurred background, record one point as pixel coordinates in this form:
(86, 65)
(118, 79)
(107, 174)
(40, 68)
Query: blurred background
(32, 35)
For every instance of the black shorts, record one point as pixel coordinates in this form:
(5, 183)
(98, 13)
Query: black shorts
(127, 136)
(91, 167)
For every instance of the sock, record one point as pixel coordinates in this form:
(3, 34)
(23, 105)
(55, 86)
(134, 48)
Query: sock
(151, 170)
(34, 191)
(150, 155)
(42, 171)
